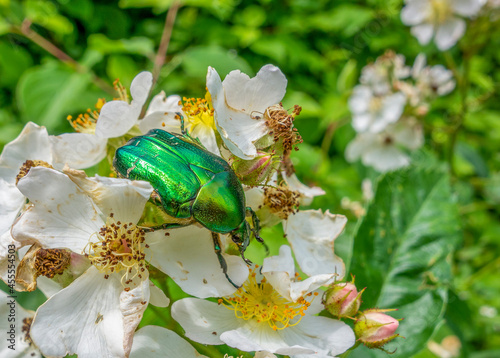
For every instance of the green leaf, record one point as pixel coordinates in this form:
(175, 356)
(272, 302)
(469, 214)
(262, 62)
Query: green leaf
(347, 77)
(197, 59)
(401, 253)
(14, 60)
(45, 13)
(46, 94)
(135, 45)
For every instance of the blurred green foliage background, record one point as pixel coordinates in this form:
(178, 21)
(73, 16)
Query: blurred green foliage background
(321, 47)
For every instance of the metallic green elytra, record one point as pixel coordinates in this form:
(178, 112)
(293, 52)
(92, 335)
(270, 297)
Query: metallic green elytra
(191, 184)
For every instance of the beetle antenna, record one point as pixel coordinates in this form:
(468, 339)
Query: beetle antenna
(181, 118)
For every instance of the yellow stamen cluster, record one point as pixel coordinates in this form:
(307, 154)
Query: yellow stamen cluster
(281, 200)
(122, 91)
(120, 247)
(51, 262)
(199, 111)
(261, 302)
(281, 127)
(26, 329)
(27, 165)
(86, 122)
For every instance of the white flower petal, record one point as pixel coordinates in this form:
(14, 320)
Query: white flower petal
(161, 120)
(385, 158)
(253, 336)
(392, 109)
(133, 303)
(33, 143)
(187, 255)
(123, 198)
(423, 33)
(11, 202)
(206, 135)
(247, 94)
(361, 122)
(467, 8)
(14, 337)
(239, 117)
(63, 215)
(359, 145)
(159, 342)
(202, 320)
(418, 65)
(305, 191)
(116, 118)
(449, 33)
(140, 87)
(326, 336)
(83, 318)
(162, 103)
(254, 197)
(312, 234)
(48, 287)
(359, 102)
(157, 297)
(78, 150)
(415, 12)
(279, 272)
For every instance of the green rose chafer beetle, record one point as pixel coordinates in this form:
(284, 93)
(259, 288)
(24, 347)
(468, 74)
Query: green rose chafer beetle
(191, 184)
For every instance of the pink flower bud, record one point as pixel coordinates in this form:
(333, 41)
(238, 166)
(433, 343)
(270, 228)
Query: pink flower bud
(254, 171)
(374, 328)
(343, 299)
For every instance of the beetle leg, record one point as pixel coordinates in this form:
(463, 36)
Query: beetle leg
(164, 226)
(222, 261)
(256, 228)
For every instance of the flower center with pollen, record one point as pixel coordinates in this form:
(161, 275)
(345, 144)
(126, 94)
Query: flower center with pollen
(280, 125)
(199, 111)
(281, 201)
(261, 302)
(120, 247)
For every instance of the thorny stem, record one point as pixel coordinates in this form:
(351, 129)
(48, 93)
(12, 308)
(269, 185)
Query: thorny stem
(26, 31)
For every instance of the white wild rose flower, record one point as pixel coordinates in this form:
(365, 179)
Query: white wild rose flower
(385, 151)
(32, 144)
(97, 314)
(439, 19)
(240, 102)
(372, 113)
(273, 313)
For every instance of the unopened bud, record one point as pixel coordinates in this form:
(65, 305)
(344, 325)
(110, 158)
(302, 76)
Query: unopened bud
(343, 299)
(374, 328)
(254, 171)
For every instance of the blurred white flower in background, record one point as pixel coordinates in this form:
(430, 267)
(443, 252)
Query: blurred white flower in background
(387, 109)
(439, 19)
(385, 151)
(372, 113)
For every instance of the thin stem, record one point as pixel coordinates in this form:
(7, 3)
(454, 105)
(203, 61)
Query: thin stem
(26, 31)
(161, 55)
